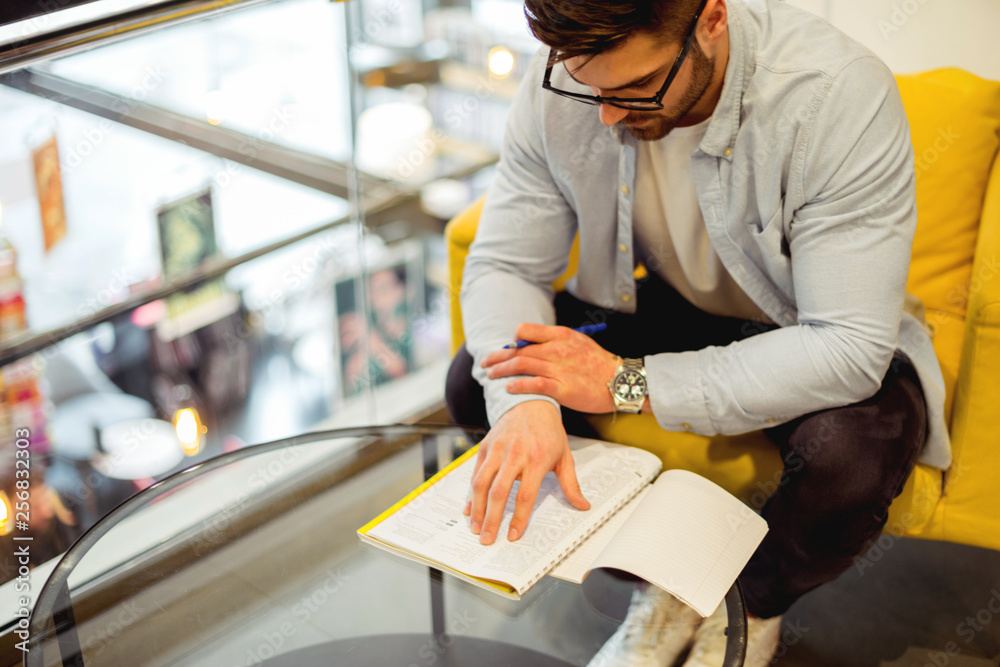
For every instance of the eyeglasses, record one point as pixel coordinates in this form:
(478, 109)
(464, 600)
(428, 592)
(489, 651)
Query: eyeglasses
(653, 103)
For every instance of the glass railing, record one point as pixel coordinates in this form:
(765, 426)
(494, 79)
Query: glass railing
(206, 245)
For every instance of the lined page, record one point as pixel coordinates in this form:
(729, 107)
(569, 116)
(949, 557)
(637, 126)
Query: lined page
(578, 564)
(689, 537)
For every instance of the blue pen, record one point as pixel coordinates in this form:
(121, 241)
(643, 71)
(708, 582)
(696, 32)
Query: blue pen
(586, 329)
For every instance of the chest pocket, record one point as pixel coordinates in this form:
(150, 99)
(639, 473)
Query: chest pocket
(769, 250)
(771, 237)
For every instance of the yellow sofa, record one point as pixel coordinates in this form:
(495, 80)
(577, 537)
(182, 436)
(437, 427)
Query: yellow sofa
(955, 271)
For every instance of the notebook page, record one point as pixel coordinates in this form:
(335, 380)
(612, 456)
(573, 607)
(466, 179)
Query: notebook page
(433, 526)
(689, 537)
(578, 564)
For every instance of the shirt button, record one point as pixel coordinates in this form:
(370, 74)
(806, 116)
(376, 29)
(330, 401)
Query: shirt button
(624, 189)
(728, 152)
(626, 298)
(686, 426)
(623, 247)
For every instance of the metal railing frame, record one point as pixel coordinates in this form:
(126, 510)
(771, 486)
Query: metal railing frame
(383, 201)
(44, 45)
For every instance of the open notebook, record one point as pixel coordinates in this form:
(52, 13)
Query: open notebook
(682, 533)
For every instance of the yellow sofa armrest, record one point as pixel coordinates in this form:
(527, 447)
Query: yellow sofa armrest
(459, 234)
(967, 511)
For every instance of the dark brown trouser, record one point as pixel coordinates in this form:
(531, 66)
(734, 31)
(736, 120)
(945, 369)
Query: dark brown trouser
(842, 466)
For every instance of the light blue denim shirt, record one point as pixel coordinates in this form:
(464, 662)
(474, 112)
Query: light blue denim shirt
(805, 179)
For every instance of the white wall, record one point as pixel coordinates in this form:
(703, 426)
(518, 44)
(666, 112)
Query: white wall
(917, 35)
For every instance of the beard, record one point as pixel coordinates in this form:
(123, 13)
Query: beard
(664, 121)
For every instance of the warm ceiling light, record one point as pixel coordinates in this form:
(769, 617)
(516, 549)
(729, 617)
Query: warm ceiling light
(5, 525)
(501, 62)
(189, 430)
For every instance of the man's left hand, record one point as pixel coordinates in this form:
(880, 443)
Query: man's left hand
(563, 364)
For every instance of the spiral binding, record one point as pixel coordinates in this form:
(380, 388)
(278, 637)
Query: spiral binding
(572, 547)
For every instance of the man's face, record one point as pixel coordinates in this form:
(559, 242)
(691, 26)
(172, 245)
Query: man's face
(638, 68)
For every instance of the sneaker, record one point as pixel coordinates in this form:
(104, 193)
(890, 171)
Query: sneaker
(763, 635)
(657, 629)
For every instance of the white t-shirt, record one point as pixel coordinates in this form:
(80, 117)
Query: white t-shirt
(670, 230)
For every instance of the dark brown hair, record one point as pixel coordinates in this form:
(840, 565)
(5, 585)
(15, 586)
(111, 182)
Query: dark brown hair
(587, 27)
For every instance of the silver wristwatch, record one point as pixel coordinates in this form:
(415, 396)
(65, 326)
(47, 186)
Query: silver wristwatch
(628, 386)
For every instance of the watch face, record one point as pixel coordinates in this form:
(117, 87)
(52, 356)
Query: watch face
(630, 386)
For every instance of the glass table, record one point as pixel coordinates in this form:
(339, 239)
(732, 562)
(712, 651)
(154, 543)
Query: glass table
(253, 558)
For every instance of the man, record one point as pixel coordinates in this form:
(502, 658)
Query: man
(759, 164)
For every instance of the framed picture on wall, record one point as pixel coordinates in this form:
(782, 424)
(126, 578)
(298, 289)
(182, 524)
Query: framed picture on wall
(187, 233)
(187, 240)
(374, 319)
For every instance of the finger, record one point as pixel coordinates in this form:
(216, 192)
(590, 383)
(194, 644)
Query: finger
(480, 457)
(497, 502)
(496, 357)
(535, 385)
(540, 333)
(527, 493)
(566, 474)
(522, 365)
(500, 356)
(481, 454)
(482, 481)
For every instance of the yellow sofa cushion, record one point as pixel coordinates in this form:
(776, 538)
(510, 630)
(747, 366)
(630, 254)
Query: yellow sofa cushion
(968, 513)
(459, 234)
(954, 117)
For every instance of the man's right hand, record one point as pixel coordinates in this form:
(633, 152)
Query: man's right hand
(526, 443)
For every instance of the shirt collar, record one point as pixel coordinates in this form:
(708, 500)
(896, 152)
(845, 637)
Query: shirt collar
(725, 122)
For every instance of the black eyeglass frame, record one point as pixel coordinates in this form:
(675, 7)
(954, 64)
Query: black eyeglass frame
(654, 103)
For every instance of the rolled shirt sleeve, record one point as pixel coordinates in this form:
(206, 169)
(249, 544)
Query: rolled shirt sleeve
(522, 245)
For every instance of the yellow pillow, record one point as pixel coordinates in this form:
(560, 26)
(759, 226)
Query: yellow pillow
(954, 119)
(954, 122)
